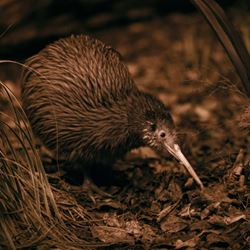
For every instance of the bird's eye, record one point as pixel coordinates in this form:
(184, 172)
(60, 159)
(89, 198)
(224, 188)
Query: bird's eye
(153, 127)
(162, 134)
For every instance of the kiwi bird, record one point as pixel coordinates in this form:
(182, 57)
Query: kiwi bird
(83, 104)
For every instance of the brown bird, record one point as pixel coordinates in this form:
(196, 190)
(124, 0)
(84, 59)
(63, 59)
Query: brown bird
(83, 105)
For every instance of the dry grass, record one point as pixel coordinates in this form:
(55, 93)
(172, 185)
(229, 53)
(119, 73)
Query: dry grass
(29, 212)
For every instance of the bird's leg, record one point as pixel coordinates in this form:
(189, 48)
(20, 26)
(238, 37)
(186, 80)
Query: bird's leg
(104, 174)
(90, 187)
(78, 173)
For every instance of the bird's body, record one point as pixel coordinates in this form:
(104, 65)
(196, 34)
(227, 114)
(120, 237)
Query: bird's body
(83, 104)
(79, 97)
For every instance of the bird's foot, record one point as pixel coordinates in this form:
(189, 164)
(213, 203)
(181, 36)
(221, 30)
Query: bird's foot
(91, 189)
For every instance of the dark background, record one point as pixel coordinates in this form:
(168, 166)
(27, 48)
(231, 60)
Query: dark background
(27, 26)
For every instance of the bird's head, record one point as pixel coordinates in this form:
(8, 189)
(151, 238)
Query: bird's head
(159, 133)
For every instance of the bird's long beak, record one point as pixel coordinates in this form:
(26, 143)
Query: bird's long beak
(176, 152)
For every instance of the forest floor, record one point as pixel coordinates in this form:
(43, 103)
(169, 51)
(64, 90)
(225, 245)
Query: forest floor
(178, 59)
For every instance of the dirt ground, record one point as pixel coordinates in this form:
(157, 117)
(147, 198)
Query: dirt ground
(156, 205)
